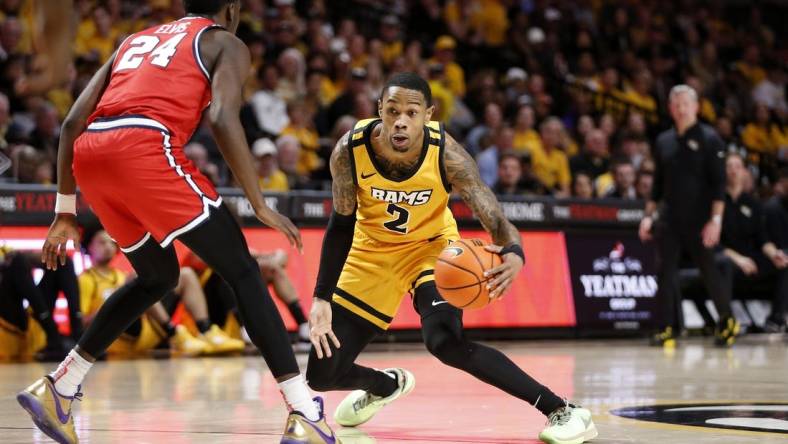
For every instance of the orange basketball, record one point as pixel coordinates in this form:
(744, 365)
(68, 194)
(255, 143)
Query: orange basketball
(459, 273)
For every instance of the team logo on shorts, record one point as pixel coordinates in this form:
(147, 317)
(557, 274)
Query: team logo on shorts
(753, 417)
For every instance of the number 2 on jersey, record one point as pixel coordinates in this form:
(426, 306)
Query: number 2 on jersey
(398, 225)
(160, 56)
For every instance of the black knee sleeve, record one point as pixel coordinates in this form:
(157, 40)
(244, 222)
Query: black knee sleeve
(220, 243)
(446, 344)
(319, 379)
(159, 284)
(157, 273)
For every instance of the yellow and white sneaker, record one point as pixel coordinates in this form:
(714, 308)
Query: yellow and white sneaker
(300, 430)
(50, 411)
(218, 342)
(569, 425)
(184, 344)
(360, 406)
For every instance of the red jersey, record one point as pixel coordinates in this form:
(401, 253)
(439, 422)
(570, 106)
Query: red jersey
(158, 74)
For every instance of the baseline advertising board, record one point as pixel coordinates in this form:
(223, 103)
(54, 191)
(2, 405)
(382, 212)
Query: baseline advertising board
(541, 296)
(613, 280)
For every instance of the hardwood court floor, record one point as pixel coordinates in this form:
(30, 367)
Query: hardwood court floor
(235, 400)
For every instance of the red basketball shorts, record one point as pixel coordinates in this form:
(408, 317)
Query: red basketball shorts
(138, 184)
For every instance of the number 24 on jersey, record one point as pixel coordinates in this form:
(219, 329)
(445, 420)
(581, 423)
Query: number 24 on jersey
(159, 52)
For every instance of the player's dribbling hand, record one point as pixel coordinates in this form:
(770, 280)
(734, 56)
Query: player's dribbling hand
(275, 220)
(63, 229)
(320, 328)
(504, 274)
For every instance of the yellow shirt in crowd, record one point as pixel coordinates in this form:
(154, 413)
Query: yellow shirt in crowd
(88, 40)
(309, 139)
(764, 140)
(391, 51)
(646, 103)
(455, 78)
(552, 168)
(444, 100)
(276, 182)
(526, 141)
(95, 287)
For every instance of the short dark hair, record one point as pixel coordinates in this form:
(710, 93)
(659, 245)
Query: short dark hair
(90, 227)
(205, 6)
(619, 162)
(509, 155)
(409, 80)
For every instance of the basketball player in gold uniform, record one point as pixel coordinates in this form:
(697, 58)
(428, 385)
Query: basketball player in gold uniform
(392, 177)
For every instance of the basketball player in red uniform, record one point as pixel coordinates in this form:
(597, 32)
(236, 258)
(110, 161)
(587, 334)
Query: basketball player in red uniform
(122, 142)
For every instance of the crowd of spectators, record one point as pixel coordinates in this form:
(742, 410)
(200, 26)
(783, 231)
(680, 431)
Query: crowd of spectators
(552, 97)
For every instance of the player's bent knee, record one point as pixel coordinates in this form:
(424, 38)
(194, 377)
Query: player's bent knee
(320, 379)
(160, 283)
(242, 271)
(448, 350)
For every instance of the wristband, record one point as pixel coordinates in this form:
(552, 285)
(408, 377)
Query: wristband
(717, 219)
(514, 248)
(66, 204)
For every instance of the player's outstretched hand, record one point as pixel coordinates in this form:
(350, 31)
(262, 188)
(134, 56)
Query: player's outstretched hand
(275, 220)
(504, 274)
(320, 328)
(63, 229)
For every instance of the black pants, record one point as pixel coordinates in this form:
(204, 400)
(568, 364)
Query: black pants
(442, 331)
(671, 243)
(16, 285)
(220, 300)
(64, 279)
(220, 243)
(768, 277)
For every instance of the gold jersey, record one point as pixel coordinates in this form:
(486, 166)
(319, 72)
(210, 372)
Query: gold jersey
(96, 287)
(401, 228)
(410, 209)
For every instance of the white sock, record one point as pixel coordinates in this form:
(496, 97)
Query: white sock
(298, 397)
(70, 373)
(303, 332)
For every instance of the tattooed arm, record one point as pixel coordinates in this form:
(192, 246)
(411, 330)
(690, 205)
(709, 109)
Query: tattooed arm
(336, 246)
(343, 187)
(463, 175)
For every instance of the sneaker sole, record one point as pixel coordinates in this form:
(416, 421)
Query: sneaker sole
(36, 412)
(301, 441)
(298, 441)
(591, 432)
(410, 384)
(577, 440)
